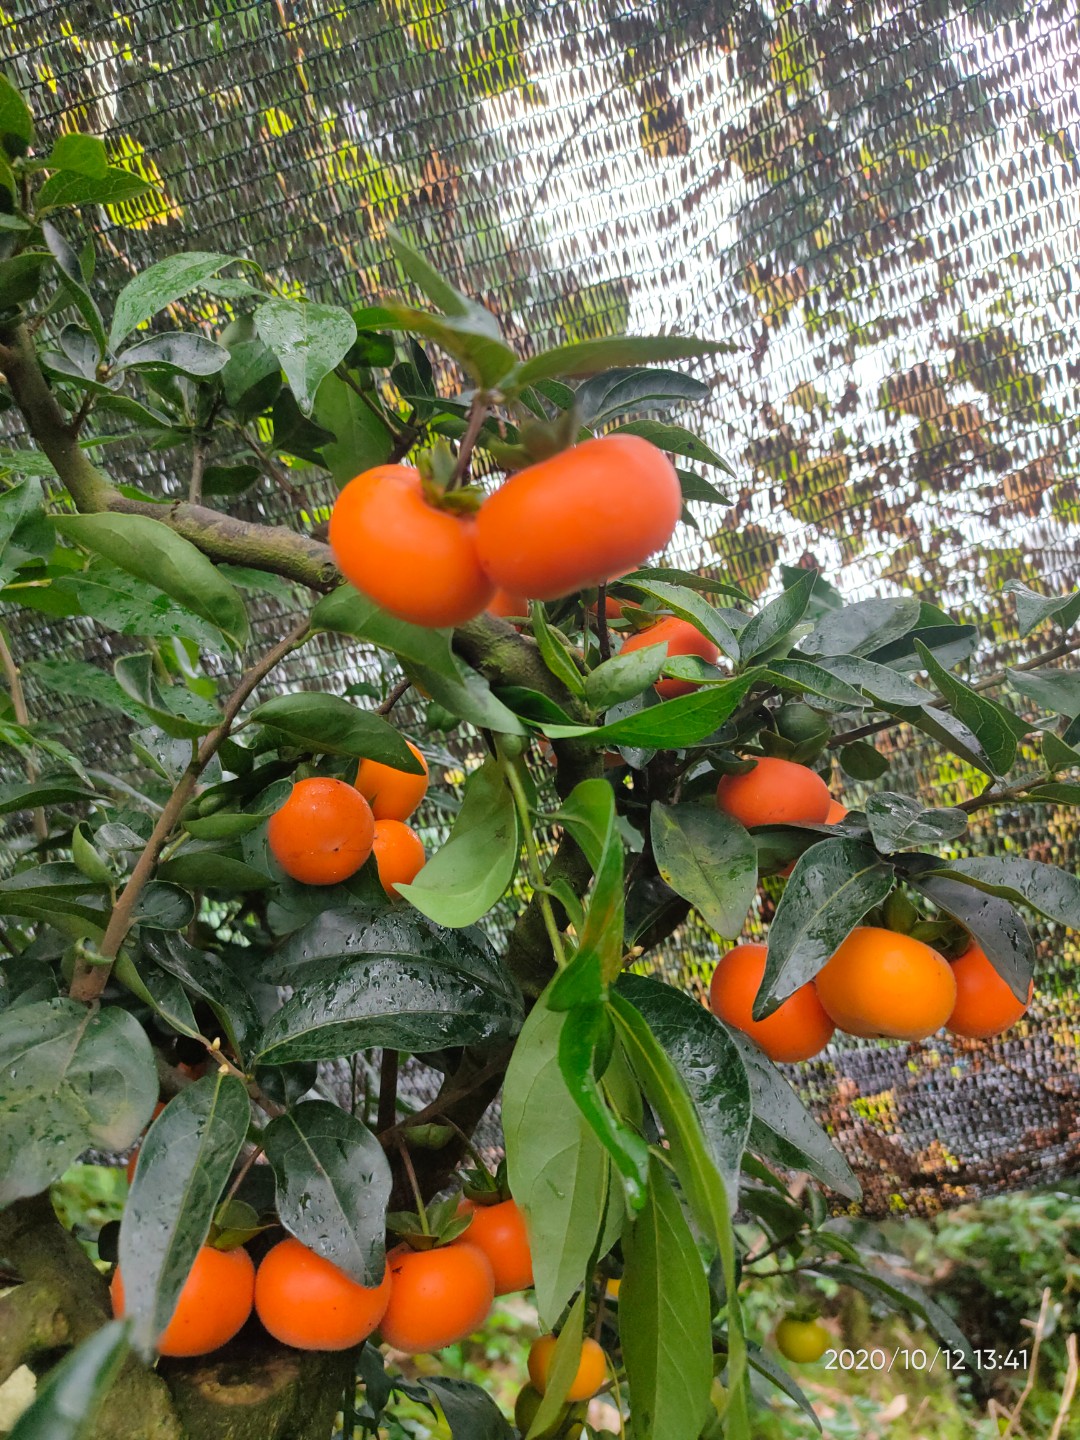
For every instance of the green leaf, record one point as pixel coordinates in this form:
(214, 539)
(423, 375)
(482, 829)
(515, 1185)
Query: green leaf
(664, 1314)
(151, 551)
(783, 1129)
(22, 520)
(54, 790)
(832, 887)
(948, 730)
(184, 1164)
(776, 621)
(162, 992)
(1047, 889)
(69, 187)
(209, 869)
(1032, 608)
(20, 277)
(880, 1281)
(159, 286)
(16, 121)
(131, 606)
(361, 440)
(589, 815)
(676, 440)
(683, 601)
(469, 339)
(804, 678)
(1058, 755)
(581, 1046)
(898, 822)
(949, 644)
(589, 357)
(876, 681)
(163, 907)
(559, 1172)
(624, 676)
(708, 1063)
(434, 285)
(686, 720)
(177, 353)
(69, 1398)
(328, 725)
(621, 391)
(308, 339)
(85, 154)
(863, 761)
(861, 627)
(73, 1079)
(347, 612)
(708, 859)
(400, 1001)
(763, 1362)
(333, 1186)
(178, 711)
(994, 924)
(475, 866)
(556, 653)
(696, 487)
(565, 1359)
(209, 977)
(469, 1411)
(995, 728)
(1055, 690)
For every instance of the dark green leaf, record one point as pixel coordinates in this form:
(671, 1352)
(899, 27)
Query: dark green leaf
(361, 439)
(863, 761)
(184, 1164)
(328, 725)
(308, 339)
(949, 644)
(684, 601)
(994, 924)
(877, 681)
(16, 121)
(1032, 608)
(589, 815)
(73, 1078)
(177, 353)
(474, 868)
(178, 711)
(708, 859)
(676, 440)
(589, 357)
(1047, 889)
(833, 885)
(556, 653)
(695, 487)
(333, 1186)
(436, 287)
(1055, 690)
(880, 1281)
(804, 678)
(778, 619)
(209, 977)
(861, 627)
(948, 730)
(763, 1362)
(621, 391)
(686, 720)
(130, 606)
(485, 356)
(898, 822)
(55, 790)
(470, 1412)
(20, 277)
(624, 676)
(158, 286)
(69, 187)
(995, 728)
(209, 869)
(1057, 754)
(709, 1064)
(152, 551)
(69, 1398)
(664, 1313)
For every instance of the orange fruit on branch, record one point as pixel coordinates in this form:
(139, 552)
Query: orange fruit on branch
(415, 559)
(775, 792)
(392, 794)
(836, 812)
(307, 1302)
(591, 1371)
(798, 1029)
(214, 1303)
(580, 518)
(399, 854)
(880, 984)
(503, 603)
(499, 1231)
(437, 1297)
(323, 833)
(681, 638)
(985, 1006)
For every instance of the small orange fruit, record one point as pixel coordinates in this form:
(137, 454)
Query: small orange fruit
(323, 833)
(775, 792)
(681, 638)
(591, 1371)
(437, 1297)
(392, 794)
(399, 854)
(214, 1304)
(414, 559)
(836, 813)
(499, 1231)
(985, 1006)
(580, 518)
(886, 985)
(308, 1303)
(503, 603)
(796, 1030)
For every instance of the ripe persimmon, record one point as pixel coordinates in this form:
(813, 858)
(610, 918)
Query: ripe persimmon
(681, 638)
(214, 1304)
(309, 1303)
(503, 603)
(985, 1006)
(399, 854)
(437, 1296)
(796, 1030)
(323, 833)
(499, 1231)
(775, 792)
(613, 609)
(883, 984)
(835, 813)
(413, 558)
(580, 518)
(591, 1371)
(392, 794)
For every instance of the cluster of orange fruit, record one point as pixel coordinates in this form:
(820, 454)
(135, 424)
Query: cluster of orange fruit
(576, 520)
(326, 829)
(879, 983)
(427, 1299)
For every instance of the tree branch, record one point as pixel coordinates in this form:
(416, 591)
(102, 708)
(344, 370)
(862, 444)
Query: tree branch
(22, 716)
(88, 981)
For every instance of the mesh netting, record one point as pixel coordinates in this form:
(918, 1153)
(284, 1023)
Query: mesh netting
(877, 202)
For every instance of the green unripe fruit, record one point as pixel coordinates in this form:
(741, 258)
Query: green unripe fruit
(803, 727)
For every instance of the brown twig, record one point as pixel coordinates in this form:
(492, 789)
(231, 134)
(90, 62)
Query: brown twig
(22, 717)
(241, 1174)
(388, 1134)
(396, 692)
(88, 981)
(198, 469)
(478, 413)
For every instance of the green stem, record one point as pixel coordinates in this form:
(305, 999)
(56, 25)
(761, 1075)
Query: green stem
(421, 1210)
(536, 871)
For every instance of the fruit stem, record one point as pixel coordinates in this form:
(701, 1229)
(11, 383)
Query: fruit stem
(478, 413)
(536, 872)
(414, 1185)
